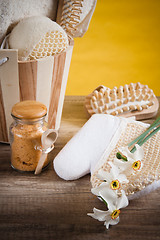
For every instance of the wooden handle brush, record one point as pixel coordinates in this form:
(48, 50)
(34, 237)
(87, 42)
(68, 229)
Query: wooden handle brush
(134, 99)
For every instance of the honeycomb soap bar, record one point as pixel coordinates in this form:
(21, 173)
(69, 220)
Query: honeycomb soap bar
(37, 37)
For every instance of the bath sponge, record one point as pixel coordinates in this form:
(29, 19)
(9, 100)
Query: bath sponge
(37, 37)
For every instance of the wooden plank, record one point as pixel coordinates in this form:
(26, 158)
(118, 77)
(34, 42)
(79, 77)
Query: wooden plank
(58, 69)
(44, 80)
(47, 207)
(27, 80)
(3, 125)
(58, 86)
(9, 84)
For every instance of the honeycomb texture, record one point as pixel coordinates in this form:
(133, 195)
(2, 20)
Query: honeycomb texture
(151, 162)
(53, 42)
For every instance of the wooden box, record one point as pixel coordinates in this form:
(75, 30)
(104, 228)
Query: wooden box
(42, 80)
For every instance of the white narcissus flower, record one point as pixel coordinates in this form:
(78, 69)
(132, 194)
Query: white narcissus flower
(112, 180)
(110, 217)
(134, 160)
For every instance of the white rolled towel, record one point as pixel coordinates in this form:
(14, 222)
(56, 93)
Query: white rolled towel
(81, 154)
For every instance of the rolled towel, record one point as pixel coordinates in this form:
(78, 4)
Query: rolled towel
(82, 152)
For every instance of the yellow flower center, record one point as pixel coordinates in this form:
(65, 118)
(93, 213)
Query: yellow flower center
(136, 165)
(115, 214)
(115, 184)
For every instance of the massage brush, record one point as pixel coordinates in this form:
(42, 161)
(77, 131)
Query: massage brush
(74, 16)
(134, 99)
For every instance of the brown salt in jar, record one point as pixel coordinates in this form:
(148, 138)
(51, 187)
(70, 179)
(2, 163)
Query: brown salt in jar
(25, 135)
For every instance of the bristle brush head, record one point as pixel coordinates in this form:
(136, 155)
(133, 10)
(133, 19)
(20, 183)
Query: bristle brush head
(130, 100)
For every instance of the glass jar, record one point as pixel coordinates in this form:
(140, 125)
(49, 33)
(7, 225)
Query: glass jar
(25, 135)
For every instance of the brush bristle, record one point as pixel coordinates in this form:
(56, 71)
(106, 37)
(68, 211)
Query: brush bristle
(71, 15)
(127, 98)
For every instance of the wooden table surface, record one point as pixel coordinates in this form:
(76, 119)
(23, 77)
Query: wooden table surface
(47, 207)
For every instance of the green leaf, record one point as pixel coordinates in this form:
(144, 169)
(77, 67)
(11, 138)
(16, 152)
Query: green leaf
(140, 140)
(120, 156)
(143, 135)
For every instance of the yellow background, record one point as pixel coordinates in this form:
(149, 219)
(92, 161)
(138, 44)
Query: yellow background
(122, 45)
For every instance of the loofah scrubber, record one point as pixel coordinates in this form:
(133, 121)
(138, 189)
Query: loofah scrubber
(37, 37)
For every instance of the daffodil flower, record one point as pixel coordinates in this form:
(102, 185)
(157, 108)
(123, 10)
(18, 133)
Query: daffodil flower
(112, 179)
(134, 160)
(110, 217)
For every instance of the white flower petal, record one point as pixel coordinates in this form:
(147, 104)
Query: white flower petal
(131, 160)
(98, 214)
(111, 222)
(120, 164)
(114, 171)
(101, 174)
(114, 221)
(104, 175)
(122, 178)
(139, 153)
(141, 165)
(102, 186)
(122, 201)
(107, 224)
(125, 151)
(110, 197)
(108, 216)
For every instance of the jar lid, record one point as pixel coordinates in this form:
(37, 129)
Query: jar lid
(29, 110)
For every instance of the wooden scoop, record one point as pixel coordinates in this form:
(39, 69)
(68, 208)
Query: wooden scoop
(48, 139)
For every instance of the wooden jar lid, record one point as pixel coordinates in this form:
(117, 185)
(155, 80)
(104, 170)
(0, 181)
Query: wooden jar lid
(29, 110)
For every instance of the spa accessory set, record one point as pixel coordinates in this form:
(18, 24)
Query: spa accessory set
(120, 153)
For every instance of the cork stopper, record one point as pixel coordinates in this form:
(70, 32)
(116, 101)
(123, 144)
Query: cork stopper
(29, 110)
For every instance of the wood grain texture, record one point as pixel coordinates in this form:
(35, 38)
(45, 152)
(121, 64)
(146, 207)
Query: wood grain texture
(59, 11)
(9, 83)
(3, 127)
(27, 80)
(58, 69)
(47, 207)
(29, 109)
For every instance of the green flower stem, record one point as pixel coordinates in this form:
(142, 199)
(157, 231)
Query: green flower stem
(103, 201)
(141, 137)
(142, 141)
